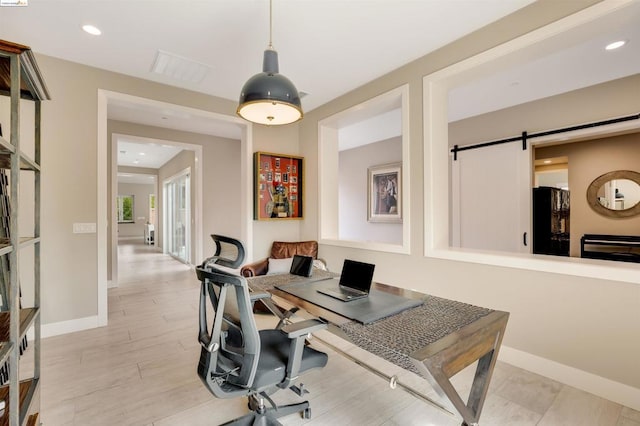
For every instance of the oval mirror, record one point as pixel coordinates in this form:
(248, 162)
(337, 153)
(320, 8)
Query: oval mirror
(615, 194)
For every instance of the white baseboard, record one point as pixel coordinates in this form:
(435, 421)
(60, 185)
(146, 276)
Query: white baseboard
(588, 382)
(70, 326)
(111, 284)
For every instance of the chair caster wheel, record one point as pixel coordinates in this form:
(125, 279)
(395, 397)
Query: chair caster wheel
(306, 414)
(252, 404)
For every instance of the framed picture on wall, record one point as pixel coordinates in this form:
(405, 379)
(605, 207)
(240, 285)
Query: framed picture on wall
(281, 196)
(385, 193)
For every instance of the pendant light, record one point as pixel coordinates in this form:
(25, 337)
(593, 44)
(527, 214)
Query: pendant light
(269, 97)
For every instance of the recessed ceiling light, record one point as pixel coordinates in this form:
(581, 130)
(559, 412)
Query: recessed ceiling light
(91, 30)
(136, 162)
(615, 45)
(142, 153)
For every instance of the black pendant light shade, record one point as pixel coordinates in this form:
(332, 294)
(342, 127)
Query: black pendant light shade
(269, 97)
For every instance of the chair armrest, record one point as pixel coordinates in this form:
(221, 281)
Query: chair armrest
(255, 269)
(253, 296)
(297, 329)
(297, 332)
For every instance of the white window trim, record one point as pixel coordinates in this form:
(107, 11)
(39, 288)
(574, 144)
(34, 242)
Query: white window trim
(328, 176)
(119, 207)
(436, 156)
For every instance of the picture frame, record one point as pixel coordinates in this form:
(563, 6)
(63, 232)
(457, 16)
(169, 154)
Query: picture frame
(278, 186)
(384, 200)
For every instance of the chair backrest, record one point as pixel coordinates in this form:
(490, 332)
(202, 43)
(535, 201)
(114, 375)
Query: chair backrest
(232, 247)
(231, 348)
(286, 249)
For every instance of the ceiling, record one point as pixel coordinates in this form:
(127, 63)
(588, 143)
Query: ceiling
(319, 49)
(326, 48)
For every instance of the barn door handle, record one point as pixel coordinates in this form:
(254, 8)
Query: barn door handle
(524, 239)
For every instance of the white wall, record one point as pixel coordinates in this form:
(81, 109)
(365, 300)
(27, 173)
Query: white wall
(353, 188)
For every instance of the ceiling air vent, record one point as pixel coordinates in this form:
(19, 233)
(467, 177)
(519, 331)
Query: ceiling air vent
(179, 68)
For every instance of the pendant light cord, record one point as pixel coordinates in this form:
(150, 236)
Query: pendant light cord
(270, 24)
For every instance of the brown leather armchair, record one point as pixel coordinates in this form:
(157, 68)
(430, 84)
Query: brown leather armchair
(281, 250)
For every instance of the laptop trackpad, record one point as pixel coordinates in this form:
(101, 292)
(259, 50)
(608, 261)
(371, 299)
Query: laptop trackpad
(337, 294)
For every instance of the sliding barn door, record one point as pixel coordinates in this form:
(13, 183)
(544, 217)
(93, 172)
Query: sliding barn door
(491, 198)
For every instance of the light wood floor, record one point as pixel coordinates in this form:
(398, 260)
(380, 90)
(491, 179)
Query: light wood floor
(141, 370)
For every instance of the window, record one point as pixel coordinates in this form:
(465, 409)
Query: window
(125, 208)
(152, 209)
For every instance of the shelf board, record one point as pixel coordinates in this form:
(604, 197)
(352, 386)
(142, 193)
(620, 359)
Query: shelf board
(6, 247)
(32, 85)
(26, 163)
(6, 147)
(27, 315)
(28, 241)
(28, 389)
(5, 350)
(33, 420)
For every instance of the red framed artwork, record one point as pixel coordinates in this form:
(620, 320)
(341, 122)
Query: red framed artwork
(278, 186)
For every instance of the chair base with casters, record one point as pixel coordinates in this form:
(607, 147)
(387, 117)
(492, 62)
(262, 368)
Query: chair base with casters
(267, 416)
(239, 360)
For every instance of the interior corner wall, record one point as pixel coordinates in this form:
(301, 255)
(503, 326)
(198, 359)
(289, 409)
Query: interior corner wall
(280, 140)
(353, 192)
(587, 161)
(554, 318)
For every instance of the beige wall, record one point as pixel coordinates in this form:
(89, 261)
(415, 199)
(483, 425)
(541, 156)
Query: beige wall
(280, 140)
(615, 98)
(353, 192)
(140, 194)
(587, 161)
(69, 177)
(578, 322)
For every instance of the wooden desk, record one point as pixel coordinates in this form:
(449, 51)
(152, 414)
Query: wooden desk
(435, 340)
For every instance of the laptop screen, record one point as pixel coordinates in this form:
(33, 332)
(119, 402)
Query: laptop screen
(357, 275)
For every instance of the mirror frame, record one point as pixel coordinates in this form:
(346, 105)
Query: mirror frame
(592, 194)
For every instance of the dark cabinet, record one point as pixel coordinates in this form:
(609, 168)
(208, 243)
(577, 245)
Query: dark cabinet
(551, 221)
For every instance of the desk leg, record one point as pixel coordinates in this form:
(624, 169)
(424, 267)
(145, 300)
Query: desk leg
(479, 341)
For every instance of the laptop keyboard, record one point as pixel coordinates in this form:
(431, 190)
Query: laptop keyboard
(350, 292)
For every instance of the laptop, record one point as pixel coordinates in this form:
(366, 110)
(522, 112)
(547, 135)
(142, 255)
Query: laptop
(301, 265)
(355, 281)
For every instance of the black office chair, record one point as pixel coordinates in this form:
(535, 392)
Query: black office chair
(237, 359)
